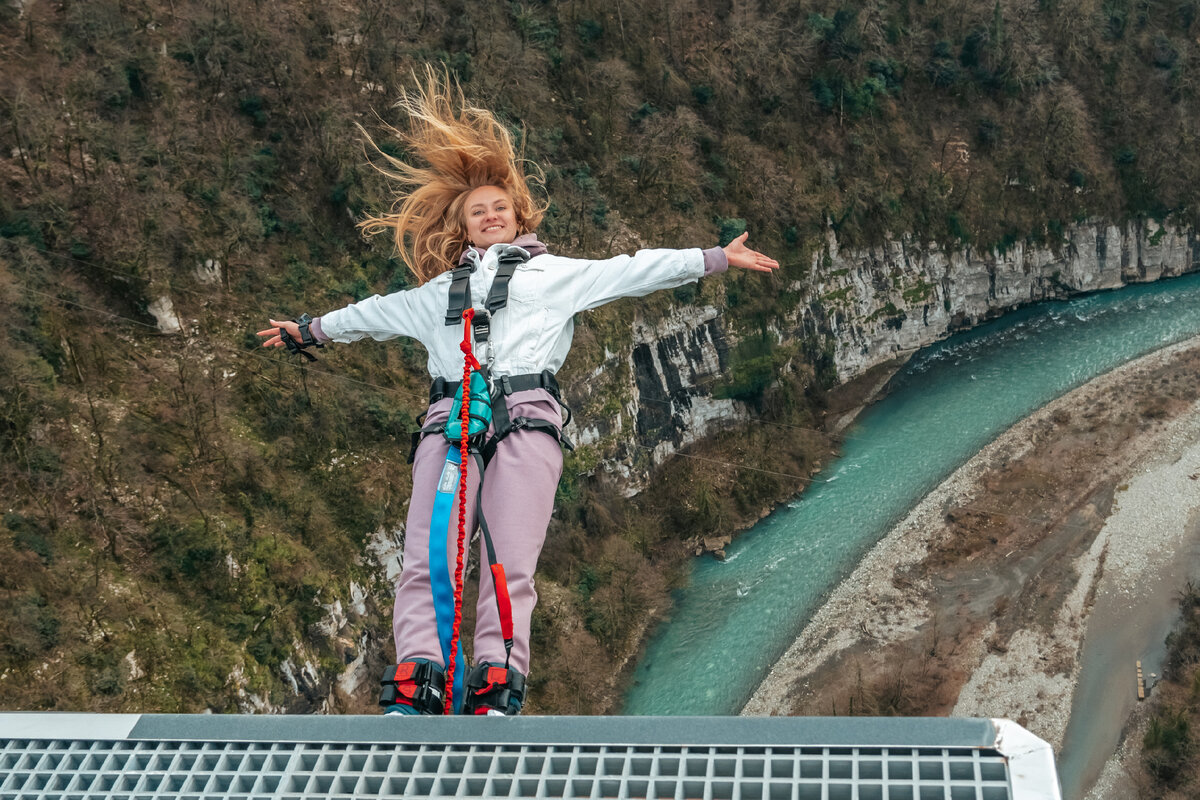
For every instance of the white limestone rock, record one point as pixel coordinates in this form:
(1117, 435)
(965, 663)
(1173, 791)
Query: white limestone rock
(387, 548)
(163, 311)
(208, 271)
(873, 305)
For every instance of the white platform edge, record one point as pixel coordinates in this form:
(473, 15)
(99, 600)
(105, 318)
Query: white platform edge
(1031, 768)
(63, 724)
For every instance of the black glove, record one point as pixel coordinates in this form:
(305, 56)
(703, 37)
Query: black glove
(306, 338)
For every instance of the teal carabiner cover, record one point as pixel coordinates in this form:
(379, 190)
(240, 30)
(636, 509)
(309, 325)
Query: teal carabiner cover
(479, 410)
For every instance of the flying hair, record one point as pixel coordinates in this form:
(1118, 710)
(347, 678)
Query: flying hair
(457, 148)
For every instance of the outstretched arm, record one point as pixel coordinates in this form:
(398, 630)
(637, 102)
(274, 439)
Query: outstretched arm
(404, 313)
(743, 257)
(593, 283)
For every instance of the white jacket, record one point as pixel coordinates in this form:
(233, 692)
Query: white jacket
(533, 332)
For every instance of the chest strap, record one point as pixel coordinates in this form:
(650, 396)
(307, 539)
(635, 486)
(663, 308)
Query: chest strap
(460, 285)
(460, 293)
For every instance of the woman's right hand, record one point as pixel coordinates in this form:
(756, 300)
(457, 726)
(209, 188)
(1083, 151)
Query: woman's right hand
(741, 256)
(275, 339)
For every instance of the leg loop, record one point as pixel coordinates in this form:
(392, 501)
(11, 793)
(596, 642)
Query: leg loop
(494, 689)
(413, 687)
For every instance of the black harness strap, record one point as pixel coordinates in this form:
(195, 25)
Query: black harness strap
(505, 425)
(460, 285)
(524, 424)
(509, 384)
(306, 338)
(501, 422)
(460, 293)
(498, 294)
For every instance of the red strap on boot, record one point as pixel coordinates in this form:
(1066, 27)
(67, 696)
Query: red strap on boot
(496, 677)
(406, 686)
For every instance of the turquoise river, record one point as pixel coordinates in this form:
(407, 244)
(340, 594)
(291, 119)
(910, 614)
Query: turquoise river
(736, 618)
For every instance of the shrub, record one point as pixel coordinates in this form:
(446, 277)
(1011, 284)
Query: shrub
(589, 31)
(1167, 744)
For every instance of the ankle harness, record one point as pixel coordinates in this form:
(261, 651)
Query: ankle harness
(494, 687)
(419, 683)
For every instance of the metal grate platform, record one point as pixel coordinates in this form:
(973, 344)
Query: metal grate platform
(151, 757)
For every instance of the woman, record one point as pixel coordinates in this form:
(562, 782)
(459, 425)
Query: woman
(471, 207)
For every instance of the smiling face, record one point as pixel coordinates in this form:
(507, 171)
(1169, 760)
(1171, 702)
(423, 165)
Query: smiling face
(489, 217)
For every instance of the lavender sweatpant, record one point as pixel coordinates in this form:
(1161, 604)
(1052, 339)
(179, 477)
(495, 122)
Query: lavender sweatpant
(518, 498)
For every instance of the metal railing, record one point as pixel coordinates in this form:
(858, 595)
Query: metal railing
(795, 758)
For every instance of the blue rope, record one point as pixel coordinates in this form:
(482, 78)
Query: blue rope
(439, 569)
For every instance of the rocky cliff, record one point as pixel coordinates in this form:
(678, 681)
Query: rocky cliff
(664, 376)
(870, 305)
(879, 303)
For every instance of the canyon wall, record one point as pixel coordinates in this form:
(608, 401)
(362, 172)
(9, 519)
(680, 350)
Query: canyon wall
(879, 303)
(866, 307)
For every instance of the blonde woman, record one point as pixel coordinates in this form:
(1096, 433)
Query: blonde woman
(466, 203)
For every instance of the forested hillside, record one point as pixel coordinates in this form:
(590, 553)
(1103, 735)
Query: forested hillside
(188, 521)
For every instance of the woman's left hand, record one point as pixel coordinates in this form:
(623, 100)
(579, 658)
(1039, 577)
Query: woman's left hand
(741, 256)
(273, 339)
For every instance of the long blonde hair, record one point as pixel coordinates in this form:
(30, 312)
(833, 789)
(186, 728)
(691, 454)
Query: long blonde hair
(463, 147)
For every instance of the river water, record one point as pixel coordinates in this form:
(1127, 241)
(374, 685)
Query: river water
(736, 618)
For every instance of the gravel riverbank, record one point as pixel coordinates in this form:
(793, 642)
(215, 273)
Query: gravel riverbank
(981, 598)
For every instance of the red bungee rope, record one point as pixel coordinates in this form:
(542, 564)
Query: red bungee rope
(469, 363)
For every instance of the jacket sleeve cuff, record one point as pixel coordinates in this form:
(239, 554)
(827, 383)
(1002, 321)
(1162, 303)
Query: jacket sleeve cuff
(715, 261)
(315, 328)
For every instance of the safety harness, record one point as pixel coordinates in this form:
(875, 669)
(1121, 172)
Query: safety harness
(491, 686)
(485, 386)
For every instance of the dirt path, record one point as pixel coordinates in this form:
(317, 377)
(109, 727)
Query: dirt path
(977, 603)
(1136, 606)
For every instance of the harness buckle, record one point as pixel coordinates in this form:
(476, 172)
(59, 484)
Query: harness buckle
(481, 324)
